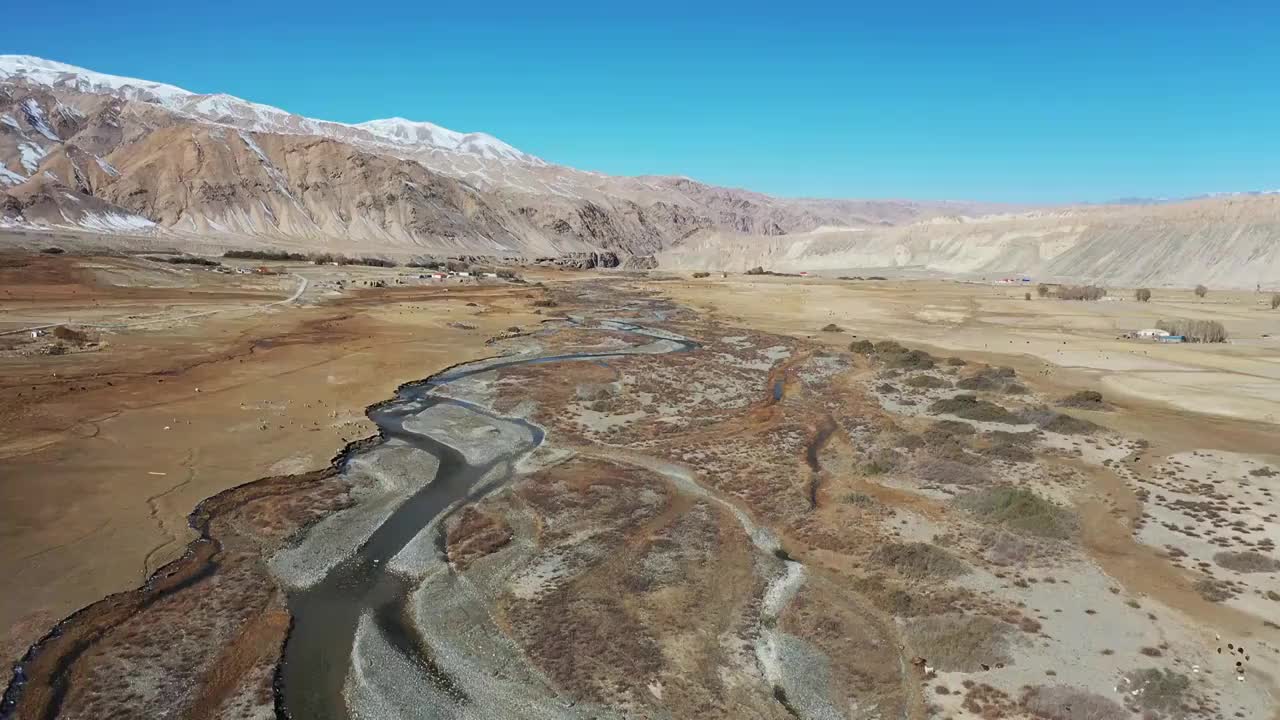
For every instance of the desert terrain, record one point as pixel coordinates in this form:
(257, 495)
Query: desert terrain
(350, 492)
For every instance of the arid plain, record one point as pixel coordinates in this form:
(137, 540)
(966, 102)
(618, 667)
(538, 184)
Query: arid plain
(731, 496)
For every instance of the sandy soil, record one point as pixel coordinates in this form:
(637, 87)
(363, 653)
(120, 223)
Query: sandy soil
(104, 452)
(1236, 380)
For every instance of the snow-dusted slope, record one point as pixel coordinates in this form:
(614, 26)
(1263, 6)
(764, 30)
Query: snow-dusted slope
(246, 115)
(115, 155)
(55, 74)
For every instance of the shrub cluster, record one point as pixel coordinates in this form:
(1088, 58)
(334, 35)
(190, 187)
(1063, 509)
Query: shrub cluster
(1081, 292)
(1209, 331)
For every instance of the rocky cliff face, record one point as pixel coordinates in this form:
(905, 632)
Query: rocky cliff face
(88, 151)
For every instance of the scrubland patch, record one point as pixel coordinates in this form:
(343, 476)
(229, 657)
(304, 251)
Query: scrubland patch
(970, 407)
(959, 643)
(1020, 510)
(919, 561)
(1247, 561)
(1064, 702)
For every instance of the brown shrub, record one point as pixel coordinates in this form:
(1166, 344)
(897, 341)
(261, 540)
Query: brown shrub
(926, 381)
(1156, 689)
(832, 327)
(918, 561)
(1213, 590)
(864, 347)
(993, 379)
(1002, 547)
(1201, 291)
(1020, 510)
(1142, 295)
(702, 274)
(936, 471)
(1247, 561)
(71, 335)
(959, 643)
(1063, 702)
(1208, 331)
(1083, 399)
(1081, 292)
(970, 407)
(1275, 301)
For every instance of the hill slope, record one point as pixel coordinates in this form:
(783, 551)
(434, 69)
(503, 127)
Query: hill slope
(107, 154)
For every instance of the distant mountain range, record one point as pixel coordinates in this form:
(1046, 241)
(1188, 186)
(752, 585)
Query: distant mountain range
(133, 158)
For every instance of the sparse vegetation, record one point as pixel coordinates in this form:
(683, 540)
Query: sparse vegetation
(1201, 291)
(926, 381)
(1156, 689)
(1247, 561)
(53, 251)
(263, 255)
(1020, 510)
(862, 500)
(970, 407)
(1083, 400)
(544, 303)
(71, 335)
(757, 270)
(832, 328)
(1275, 301)
(1213, 590)
(919, 561)
(185, 260)
(1026, 296)
(864, 347)
(1042, 290)
(993, 379)
(1142, 295)
(959, 643)
(895, 356)
(1063, 702)
(701, 274)
(1057, 422)
(937, 471)
(1208, 331)
(1081, 292)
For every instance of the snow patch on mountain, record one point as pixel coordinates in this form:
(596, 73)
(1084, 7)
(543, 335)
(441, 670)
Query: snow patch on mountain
(106, 167)
(9, 177)
(223, 109)
(35, 117)
(115, 222)
(30, 155)
(401, 131)
(55, 74)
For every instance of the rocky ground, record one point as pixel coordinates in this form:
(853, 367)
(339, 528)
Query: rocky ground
(764, 526)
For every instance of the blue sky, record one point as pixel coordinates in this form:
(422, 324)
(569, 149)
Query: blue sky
(1016, 101)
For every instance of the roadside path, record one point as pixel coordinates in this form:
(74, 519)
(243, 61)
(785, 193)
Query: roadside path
(303, 283)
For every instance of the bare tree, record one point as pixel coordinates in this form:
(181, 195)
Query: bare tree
(1143, 295)
(1201, 291)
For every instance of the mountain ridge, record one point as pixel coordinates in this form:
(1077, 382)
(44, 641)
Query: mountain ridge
(110, 154)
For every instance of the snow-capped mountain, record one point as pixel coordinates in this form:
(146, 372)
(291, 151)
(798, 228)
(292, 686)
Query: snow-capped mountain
(244, 114)
(121, 156)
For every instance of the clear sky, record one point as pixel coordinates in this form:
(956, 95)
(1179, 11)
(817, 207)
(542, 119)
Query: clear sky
(1026, 101)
